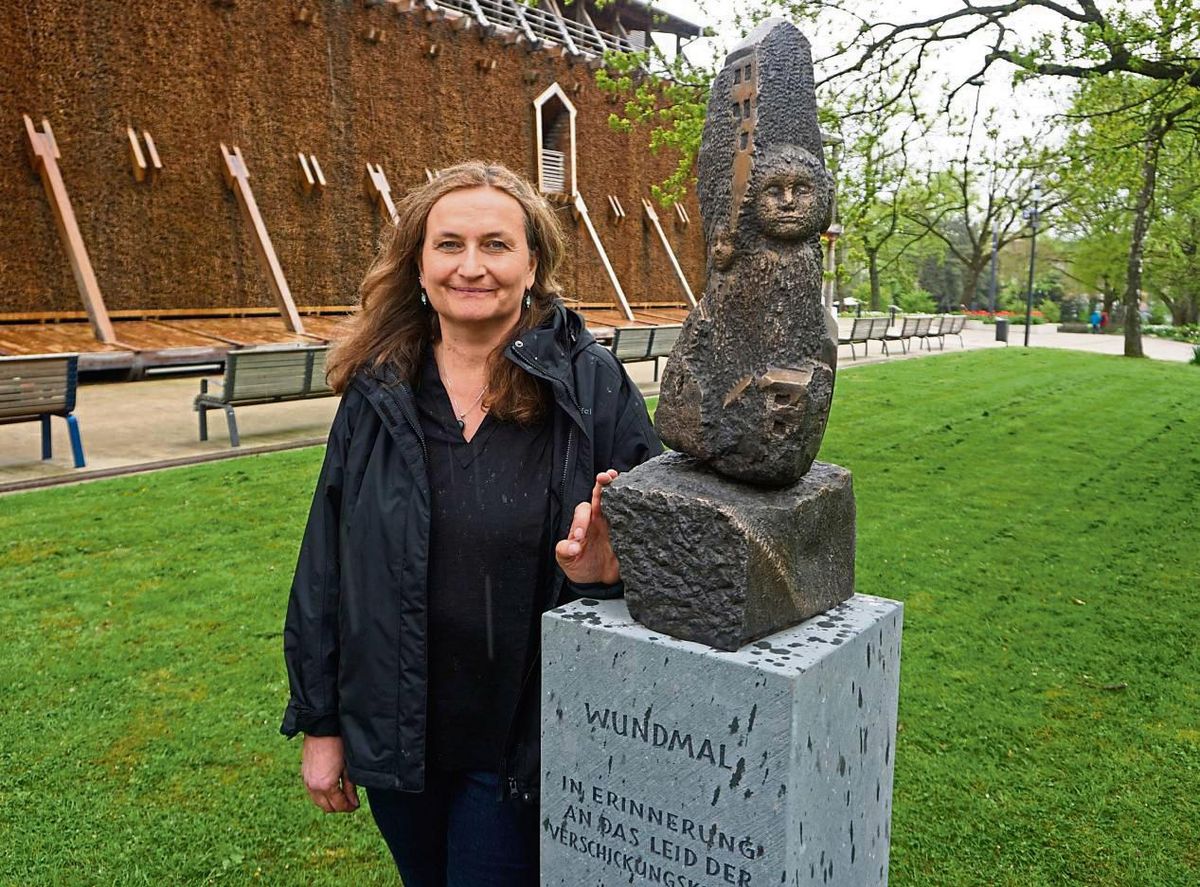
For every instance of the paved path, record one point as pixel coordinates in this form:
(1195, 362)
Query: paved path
(130, 426)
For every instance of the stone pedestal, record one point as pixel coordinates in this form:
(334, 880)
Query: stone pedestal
(723, 563)
(668, 762)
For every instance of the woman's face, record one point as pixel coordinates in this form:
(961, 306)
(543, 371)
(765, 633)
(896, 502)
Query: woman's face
(475, 262)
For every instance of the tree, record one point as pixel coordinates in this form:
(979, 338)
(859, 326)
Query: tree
(1081, 39)
(1128, 131)
(1156, 47)
(874, 180)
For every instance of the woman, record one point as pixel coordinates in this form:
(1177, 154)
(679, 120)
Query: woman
(459, 500)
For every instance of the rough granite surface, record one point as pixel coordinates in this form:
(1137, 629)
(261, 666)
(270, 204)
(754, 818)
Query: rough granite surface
(723, 563)
(668, 762)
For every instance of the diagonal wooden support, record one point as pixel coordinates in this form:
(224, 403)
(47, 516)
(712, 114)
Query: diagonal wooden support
(237, 177)
(43, 154)
(581, 208)
(380, 191)
(652, 217)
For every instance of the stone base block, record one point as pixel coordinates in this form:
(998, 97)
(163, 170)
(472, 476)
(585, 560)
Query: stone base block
(722, 563)
(668, 762)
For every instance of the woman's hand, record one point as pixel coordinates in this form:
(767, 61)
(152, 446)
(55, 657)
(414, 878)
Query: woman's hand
(323, 767)
(586, 554)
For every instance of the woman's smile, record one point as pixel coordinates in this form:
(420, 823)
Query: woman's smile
(476, 263)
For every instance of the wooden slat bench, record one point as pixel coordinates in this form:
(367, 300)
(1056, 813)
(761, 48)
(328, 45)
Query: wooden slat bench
(263, 375)
(952, 325)
(635, 344)
(912, 326)
(32, 389)
(862, 331)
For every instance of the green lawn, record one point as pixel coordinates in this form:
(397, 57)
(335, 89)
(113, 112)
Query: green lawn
(1034, 509)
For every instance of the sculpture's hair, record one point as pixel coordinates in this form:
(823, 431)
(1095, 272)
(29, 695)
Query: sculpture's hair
(393, 327)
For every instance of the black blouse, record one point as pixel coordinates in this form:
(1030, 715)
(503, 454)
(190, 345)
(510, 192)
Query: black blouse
(489, 540)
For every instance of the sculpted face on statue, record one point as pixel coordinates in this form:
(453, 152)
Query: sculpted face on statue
(790, 194)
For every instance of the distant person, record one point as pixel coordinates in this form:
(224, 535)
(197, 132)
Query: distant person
(1095, 319)
(459, 500)
(1103, 321)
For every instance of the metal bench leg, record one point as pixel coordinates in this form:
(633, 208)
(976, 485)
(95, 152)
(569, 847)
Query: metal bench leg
(853, 353)
(46, 444)
(76, 440)
(203, 411)
(234, 440)
(886, 353)
(656, 369)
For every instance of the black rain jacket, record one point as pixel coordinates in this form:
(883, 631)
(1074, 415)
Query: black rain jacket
(355, 636)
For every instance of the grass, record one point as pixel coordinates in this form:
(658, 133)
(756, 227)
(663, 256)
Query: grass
(1034, 509)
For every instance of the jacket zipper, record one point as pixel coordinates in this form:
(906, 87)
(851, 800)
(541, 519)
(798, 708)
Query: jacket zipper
(411, 418)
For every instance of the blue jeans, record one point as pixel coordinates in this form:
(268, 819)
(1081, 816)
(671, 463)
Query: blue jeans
(458, 833)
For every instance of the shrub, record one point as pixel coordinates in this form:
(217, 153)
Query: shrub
(1185, 333)
(916, 302)
(1196, 355)
(1051, 311)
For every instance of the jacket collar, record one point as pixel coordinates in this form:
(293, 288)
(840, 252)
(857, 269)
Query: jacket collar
(546, 351)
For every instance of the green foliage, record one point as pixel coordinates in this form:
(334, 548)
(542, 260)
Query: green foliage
(1185, 333)
(1050, 310)
(1047, 712)
(1195, 361)
(668, 108)
(916, 301)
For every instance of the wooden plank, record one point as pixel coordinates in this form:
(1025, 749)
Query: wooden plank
(159, 313)
(44, 155)
(237, 177)
(150, 335)
(57, 339)
(239, 331)
(327, 328)
(662, 236)
(581, 207)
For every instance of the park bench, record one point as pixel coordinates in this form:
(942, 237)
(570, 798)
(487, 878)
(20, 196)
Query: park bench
(951, 325)
(32, 389)
(635, 344)
(263, 375)
(912, 326)
(862, 331)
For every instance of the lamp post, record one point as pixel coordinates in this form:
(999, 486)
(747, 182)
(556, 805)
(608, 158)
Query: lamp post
(1032, 215)
(829, 284)
(992, 279)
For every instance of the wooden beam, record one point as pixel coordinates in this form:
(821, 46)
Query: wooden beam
(581, 208)
(380, 192)
(237, 177)
(44, 155)
(652, 216)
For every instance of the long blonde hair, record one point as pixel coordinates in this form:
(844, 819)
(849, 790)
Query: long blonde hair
(393, 327)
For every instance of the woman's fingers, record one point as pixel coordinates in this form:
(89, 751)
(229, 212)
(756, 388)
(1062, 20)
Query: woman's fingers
(350, 790)
(323, 769)
(576, 540)
(603, 479)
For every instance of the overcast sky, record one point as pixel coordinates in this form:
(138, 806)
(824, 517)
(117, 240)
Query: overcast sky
(1023, 110)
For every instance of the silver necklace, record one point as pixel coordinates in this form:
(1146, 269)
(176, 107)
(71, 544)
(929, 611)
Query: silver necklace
(460, 417)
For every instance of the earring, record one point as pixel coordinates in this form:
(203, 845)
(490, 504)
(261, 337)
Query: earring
(528, 299)
(424, 299)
